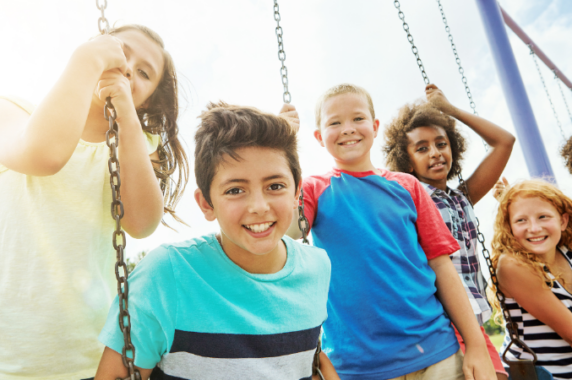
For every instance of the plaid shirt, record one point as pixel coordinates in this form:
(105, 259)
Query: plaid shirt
(460, 219)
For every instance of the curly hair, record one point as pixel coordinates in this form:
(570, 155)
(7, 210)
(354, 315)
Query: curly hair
(415, 115)
(504, 242)
(160, 118)
(566, 153)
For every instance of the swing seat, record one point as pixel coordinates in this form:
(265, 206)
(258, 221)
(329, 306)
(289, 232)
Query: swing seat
(541, 373)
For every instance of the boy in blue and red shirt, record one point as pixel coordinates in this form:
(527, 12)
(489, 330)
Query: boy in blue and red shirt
(392, 279)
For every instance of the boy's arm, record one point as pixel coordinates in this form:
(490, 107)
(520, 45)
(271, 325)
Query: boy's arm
(500, 144)
(327, 368)
(450, 291)
(111, 367)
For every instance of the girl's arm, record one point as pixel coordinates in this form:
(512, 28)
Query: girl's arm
(500, 144)
(42, 143)
(111, 367)
(520, 282)
(450, 291)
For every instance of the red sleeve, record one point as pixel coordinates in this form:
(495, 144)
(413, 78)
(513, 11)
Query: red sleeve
(434, 236)
(313, 187)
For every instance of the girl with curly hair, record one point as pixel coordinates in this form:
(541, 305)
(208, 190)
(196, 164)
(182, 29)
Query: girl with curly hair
(424, 141)
(530, 252)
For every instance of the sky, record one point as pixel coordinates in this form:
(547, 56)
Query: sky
(227, 50)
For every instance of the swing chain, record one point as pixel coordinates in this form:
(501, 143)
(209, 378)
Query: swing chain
(461, 69)
(316, 364)
(281, 54)
(458, 59)
(302, 220)
(117, 212)
(546, 90)
(410, 39)
(511, 326)
(102, 19)
(562, 93)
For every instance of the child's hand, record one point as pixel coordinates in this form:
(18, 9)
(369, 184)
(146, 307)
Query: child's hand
(105, 51)
(289, 113)
(499, 188)
(115, 85)
(438, 100)
(477, 365)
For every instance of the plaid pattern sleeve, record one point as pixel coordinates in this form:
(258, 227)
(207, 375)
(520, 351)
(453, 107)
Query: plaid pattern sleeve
(459, 217)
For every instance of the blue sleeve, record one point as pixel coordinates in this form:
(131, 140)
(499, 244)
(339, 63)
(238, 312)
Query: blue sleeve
(152, 307)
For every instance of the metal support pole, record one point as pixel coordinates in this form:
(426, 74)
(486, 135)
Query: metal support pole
(514, 92)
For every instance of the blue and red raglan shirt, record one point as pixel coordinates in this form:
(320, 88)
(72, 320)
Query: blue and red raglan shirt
(384, 319)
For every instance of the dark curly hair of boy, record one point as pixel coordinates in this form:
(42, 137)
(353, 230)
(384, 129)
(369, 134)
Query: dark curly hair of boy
(411, 116)
(566, 153)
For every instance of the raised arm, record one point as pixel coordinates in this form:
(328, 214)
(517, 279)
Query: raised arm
(41, 144)
(520, 282)
(500, 144)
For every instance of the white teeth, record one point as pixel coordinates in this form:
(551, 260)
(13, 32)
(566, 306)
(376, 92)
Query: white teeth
(349, 142)
(537, 239)
(257, 228)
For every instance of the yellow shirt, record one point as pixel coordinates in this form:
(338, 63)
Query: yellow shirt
(57, 276)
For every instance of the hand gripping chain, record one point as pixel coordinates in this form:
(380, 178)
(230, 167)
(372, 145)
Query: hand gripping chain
(121, 274)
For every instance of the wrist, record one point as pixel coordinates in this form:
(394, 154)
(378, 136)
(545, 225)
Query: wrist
(86, 61)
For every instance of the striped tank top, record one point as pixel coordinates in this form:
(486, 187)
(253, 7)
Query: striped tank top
(552, 351)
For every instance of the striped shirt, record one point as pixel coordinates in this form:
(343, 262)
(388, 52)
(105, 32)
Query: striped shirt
(459, 217)
(553, 352)
(199, 316)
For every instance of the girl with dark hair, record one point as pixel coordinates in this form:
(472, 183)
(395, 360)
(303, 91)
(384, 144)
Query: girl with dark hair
(56, 256)
(424, 141)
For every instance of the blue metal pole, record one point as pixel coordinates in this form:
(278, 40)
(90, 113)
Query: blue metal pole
(514, 92)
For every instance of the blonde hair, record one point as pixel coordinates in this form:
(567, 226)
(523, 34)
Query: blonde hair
(344, 88)
(504, 242)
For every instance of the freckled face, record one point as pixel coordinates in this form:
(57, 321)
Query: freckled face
(430, 154)
(253, 201)
(347, 130)
(536, 224)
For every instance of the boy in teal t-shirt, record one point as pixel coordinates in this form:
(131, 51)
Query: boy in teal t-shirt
(247, 302)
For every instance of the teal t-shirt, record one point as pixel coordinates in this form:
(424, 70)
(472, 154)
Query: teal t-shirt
(197, 314)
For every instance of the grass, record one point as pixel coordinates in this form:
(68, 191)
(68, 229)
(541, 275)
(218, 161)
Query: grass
(497, 340)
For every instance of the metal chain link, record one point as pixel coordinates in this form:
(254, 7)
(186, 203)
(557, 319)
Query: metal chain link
(302, 220)
(410, 39)
(117, 212)
(563, 97)
(102, 19)
(281, 53)
(461, 70)
(546, 90)
(511, 326)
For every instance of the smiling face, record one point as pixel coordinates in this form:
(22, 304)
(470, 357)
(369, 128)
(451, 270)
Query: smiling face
(252, 200)
(536, 225)
(347, 131)
(430, 155)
